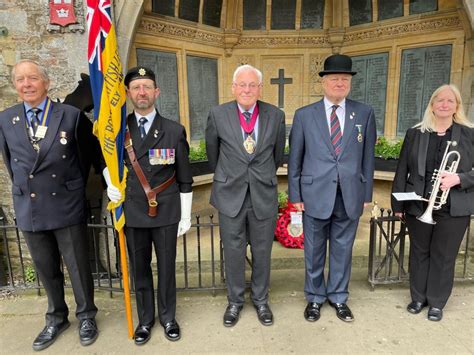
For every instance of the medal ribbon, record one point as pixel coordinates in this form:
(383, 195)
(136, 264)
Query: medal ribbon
(248, 127)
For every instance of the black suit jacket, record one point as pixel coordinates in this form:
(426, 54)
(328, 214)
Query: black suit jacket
(410, 175)
(163, 134)
(48, 187)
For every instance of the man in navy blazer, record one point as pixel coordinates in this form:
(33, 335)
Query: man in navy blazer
(330, 176)
(42, 153)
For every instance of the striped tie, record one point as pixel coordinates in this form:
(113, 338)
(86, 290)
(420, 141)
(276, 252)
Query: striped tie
(336, 133)
(35, 122)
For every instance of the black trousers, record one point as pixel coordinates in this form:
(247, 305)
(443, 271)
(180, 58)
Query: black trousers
(235, 233)
(433, 251)
(46, 248)
(140, 242)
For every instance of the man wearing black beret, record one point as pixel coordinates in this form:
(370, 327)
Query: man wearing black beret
(330, 175)
(157, 202)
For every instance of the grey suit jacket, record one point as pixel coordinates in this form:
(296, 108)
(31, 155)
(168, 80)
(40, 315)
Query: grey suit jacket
(314, 168)
(410, 175)
(235, 171)
(48, 187)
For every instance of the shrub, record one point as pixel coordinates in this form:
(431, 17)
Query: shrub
(386, 149)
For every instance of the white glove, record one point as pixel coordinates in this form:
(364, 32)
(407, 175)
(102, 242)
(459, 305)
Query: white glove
(186, 203)
(113, 193)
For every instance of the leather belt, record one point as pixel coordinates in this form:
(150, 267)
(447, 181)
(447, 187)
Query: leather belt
(150, 193)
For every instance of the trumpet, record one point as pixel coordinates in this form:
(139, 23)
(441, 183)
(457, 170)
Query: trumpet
(435, 202)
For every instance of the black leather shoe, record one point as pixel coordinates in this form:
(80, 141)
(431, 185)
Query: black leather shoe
(435, 314)
(172, 332)
(88, 332)
(416, 307)
(264, 313)
(343, 312)
(48, 335)
(142, 334)
(312, 311)
(231, 315)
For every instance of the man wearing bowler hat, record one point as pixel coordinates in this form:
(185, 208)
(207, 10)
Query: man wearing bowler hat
(330, 175)
(157, 203)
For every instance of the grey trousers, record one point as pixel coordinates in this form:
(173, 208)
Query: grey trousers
(235, 233)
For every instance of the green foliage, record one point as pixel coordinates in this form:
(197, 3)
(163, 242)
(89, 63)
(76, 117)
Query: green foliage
(287, 149)
(197, 153)
(282, 199)
(386, 149)
(30, 273)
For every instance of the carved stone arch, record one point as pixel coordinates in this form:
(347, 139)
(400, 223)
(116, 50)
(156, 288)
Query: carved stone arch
(127, 18)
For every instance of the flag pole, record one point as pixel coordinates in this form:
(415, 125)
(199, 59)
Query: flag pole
(126, 286)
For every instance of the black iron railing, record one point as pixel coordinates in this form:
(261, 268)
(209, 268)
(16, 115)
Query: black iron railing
(199, 264)
(388, 248)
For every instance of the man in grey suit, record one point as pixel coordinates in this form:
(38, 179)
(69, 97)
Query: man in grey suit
(330, 176)
(245, 140)
(45, 161)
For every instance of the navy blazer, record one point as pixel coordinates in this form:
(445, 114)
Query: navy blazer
(410, 175)
(48, 187)
(314, 168)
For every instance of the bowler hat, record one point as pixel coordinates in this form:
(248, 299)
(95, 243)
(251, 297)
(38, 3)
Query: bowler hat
(337, 64)
(139, 73)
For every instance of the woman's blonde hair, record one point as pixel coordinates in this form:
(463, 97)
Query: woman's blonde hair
(428, 123)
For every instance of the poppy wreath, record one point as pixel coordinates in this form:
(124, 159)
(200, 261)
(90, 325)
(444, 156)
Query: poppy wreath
(287, 234)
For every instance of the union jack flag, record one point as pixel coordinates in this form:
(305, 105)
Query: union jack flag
(108, 92)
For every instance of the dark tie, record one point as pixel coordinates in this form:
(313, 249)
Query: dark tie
(336, 133)
(141, 126)
(247, 116)
(35, 122)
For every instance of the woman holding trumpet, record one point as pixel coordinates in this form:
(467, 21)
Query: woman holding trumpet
(435, 237)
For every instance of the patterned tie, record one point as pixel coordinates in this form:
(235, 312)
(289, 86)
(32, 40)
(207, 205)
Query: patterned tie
(247, 116)
(336, 133)
(141, 126)
(35, 122)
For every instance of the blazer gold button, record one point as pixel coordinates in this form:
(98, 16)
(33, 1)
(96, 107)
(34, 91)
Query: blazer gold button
(31, 176)
(15, 160)
(33, 195)
(64, 156)
(53, 175)
(53, 193)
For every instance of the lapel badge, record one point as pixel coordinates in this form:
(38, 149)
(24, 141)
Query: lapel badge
(359, 133)
(63, 138)
(155, 133)
(352, 115)
(454, 143)
(15, 119)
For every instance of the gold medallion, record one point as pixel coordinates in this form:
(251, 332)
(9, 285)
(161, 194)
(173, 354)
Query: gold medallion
(249, 145)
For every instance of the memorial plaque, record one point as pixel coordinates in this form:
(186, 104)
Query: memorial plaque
(283, 14)
(189, 10)
(312, 14)
(390, 9)
(421, 6)
(202, 92)
(212, 12)
(165, 68)
(163, 7)
(422, 71)
(370, 84)
(360, 11)
(255, 13)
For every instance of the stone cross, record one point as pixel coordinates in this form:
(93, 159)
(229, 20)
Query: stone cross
(281, 81)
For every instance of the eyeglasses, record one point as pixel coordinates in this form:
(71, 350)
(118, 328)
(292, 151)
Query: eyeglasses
(251, 86)
(136, 88)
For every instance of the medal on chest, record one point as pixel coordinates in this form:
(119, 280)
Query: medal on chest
(250, 144)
